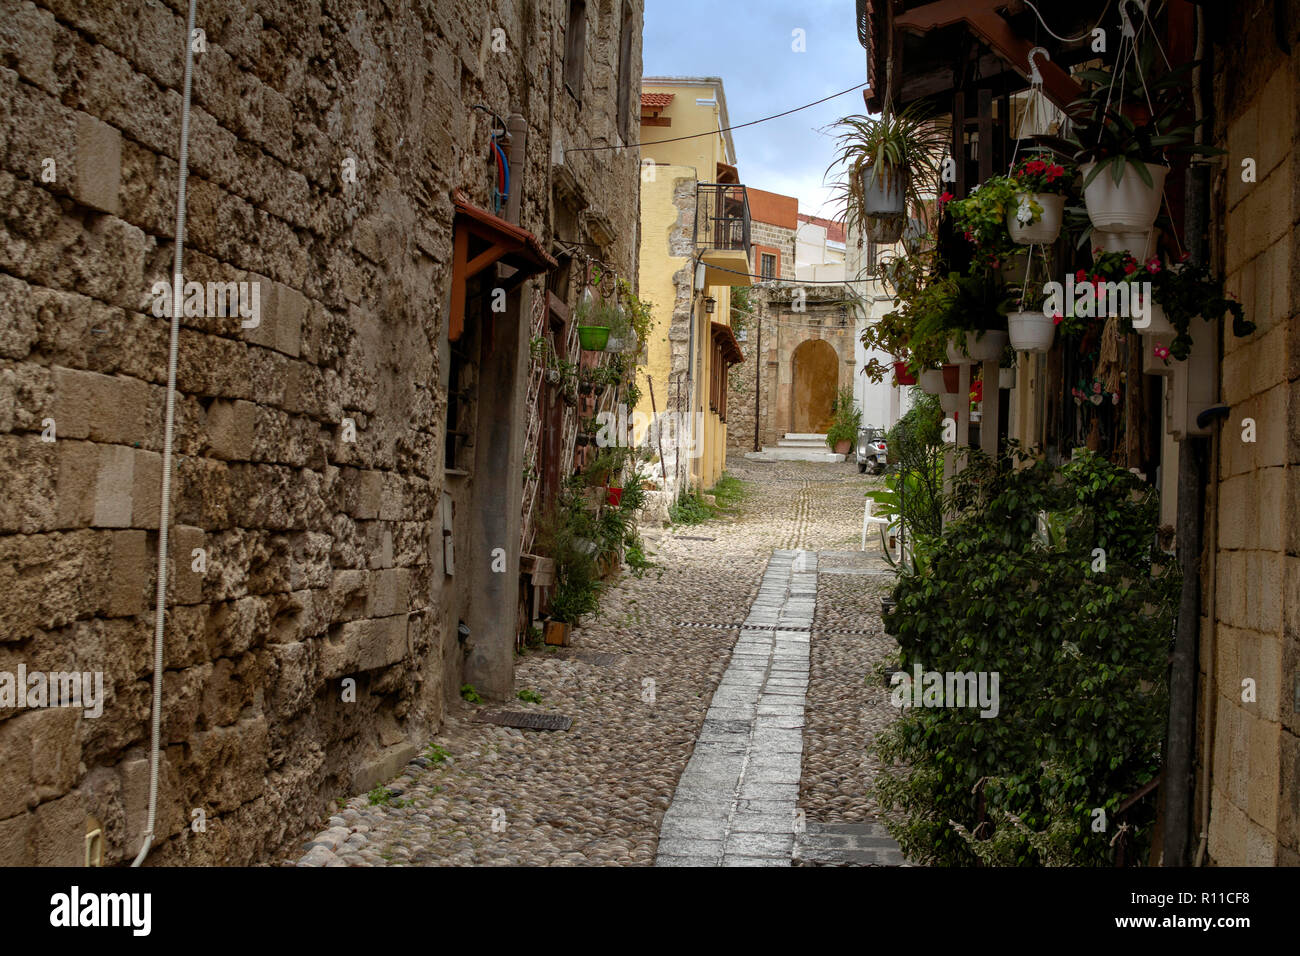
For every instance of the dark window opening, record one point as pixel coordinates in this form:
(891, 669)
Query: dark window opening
(575, 47)
(625, 74)
(769, 266)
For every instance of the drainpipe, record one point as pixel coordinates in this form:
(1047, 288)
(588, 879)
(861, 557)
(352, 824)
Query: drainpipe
(758, 368)
(169, 427)
(1178, 778)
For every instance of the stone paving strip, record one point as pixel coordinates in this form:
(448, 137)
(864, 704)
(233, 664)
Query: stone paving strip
(735, 802)
(597, 793)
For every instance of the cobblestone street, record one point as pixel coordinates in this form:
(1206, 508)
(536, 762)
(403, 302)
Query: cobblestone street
(598, 792)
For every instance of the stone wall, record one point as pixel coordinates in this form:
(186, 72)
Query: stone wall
(1255, 813)
(299, 558)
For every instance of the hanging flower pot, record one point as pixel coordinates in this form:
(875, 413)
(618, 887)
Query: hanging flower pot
(592, 338)
(884, 191)
(1158, 325)
(1129, 206)
(951, 402)
(1140, 245)
(931, 382)
(1007, 378)
(1046, 228)
(970, 349)
(951, 378)
(902, 376)
(614, 344)
(615, 496)
(1030, 331)
(885, 230)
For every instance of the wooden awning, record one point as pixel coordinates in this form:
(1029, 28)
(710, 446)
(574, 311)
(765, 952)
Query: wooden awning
(726, 340)
(482, 240)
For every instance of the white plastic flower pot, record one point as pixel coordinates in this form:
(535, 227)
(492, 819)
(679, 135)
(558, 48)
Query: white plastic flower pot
(1140, 245)
(1129, 206)
(614, 344)
(1151, 364)
(884, 194)
(1046, 228)
(950, 402)
(1157, 325)
(986, 348)
(1007, 378)
(1030, 331)
(931, 382)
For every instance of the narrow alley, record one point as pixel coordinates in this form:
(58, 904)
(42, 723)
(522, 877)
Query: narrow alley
(652, 688)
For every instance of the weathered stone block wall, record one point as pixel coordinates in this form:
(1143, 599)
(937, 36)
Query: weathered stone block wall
(1255, 799)
(322, 557)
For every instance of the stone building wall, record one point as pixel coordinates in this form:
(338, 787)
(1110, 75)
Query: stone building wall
(322, 558)
(1255, 779)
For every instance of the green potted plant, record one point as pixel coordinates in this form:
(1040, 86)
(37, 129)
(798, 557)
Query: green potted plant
(1029, 327)
(1121, 131)
(593, 318)
(1187, 291)
(889, 161)
(1040, 185)
(975, 322)
(846, 423)
(982, 219)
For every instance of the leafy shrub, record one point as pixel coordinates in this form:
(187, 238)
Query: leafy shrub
(913, 492)
(847, 418)
(1010, 587)
(689, 508)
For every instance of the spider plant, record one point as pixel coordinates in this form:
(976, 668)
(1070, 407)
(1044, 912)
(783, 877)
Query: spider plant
(908, 144)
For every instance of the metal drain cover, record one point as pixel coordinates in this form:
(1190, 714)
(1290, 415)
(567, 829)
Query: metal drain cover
(527, 720)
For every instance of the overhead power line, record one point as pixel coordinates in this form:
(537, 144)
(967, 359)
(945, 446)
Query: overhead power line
(725, 129)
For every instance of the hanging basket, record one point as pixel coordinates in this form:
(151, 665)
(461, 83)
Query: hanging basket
(1129, 207)
(902, 376)
(884, 194)
(931, 382)
(986, 348)
(593, 338)
(885, 230)
(1048, 226)
(1030, 331)
(951, 403)
(1007, 378)
(1140, 245)
(1158, 325)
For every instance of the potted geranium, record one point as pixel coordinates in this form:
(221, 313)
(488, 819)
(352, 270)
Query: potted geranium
(889, 160)
(1039, 199)
(982, 219)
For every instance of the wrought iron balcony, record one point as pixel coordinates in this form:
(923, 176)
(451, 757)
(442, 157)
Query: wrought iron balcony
(722, 217)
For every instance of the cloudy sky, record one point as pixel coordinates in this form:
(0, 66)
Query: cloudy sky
(749, 45)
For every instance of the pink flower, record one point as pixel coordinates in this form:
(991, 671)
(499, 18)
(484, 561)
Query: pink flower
(1057, 319)
(1096, 388)
(1153, 265)
(946, 197)
(1160, 351)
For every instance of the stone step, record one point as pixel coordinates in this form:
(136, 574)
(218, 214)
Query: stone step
(803, 436)
(794, 454)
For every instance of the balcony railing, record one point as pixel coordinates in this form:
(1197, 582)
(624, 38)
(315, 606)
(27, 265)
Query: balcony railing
(721, 217)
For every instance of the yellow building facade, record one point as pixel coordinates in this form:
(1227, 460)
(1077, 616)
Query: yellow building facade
(695, 246)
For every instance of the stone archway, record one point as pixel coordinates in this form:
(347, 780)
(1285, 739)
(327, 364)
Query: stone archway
(814, 377)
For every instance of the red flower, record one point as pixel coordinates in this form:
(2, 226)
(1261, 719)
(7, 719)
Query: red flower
(946, 197)
(969, 237)
(1153, 265)
(1057, 319)
(1184, 257)
(1130, 268)
(1081, 275)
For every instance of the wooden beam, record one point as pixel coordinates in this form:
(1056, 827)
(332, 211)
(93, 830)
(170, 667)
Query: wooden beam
(982, 19)
(459, 276)
(656, 121)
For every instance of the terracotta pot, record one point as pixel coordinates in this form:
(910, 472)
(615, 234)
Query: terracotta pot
(615, 496)
(842, 446)
(1048, 226)
(1129, 207)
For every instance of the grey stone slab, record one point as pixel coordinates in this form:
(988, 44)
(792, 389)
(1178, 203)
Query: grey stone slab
(761, 844)
(736, 860)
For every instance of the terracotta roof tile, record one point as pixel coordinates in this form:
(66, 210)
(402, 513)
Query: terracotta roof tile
(656, 100)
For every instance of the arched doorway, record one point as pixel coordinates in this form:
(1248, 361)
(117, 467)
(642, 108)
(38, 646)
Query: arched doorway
(815, 375)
